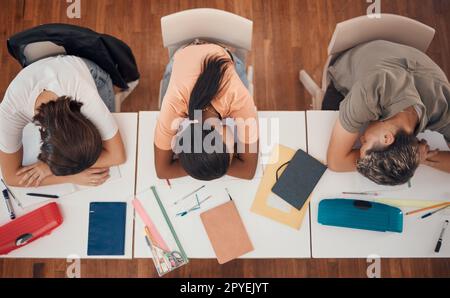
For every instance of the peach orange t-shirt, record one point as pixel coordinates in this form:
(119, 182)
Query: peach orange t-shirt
(234, 101)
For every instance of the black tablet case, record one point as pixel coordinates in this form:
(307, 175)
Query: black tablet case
(299, 179)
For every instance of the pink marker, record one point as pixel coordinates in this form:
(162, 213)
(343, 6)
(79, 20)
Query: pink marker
(150, 225)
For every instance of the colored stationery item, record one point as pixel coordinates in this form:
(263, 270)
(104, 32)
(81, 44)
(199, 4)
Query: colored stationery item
(9, 206)
(170, 225)
(401, 203)
(196, 207)
(441, 237)
(299, 179)
(367, 193)
(189, 194)
(158, 239)
(30, 227)
(261, 205)
(106, 236)
(361, 215)
(165, 261)
(434, 212)
(429, 208)
(40, 195)
(228, 192)
(12, 195)
(226, 232)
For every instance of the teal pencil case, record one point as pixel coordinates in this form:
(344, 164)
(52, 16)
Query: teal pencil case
(363, 215)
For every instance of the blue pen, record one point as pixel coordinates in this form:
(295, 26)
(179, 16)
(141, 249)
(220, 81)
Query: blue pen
(434, 212)
(184, 213)
(12, 215)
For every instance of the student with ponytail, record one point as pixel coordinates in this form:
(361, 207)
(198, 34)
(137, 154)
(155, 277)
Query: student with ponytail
(208, 124)
(67, 98)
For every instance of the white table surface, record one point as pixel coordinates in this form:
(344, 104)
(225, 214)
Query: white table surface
(270, 239)
(71, 238)
(419, 237)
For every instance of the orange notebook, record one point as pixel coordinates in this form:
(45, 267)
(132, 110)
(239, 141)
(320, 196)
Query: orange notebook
(227, 232)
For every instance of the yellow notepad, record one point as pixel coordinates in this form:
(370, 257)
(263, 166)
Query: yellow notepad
(292, 217)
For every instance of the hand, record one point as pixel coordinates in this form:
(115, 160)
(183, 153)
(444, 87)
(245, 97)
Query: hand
(425, 153)
(91, 177)
(34, 174)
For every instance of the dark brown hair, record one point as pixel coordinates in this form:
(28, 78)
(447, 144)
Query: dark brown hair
(394, 165)
(70, 142)
(205, 165)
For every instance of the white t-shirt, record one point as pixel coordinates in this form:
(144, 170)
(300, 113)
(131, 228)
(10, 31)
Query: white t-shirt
(62, 75)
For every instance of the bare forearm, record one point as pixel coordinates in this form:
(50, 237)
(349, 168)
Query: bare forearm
(344, 164)
(52, 180)
(173, 170)
(440, 162)
(243, 169)
(107, 160)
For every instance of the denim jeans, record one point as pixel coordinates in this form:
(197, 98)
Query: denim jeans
(238, 64)
(104, 84)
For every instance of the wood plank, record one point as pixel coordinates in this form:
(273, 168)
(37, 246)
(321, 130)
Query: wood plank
(289, 35)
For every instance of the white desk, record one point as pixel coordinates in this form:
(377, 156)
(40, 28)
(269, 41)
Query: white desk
(419, 237)
(71, 237)
(270, 239)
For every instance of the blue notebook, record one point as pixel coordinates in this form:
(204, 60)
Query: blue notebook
(107, 229)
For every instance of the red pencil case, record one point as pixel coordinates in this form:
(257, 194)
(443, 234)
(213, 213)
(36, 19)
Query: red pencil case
(30, 227)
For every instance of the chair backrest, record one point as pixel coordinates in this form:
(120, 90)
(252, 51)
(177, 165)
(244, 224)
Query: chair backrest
(207, 24)
(389, 27)
(40, 50)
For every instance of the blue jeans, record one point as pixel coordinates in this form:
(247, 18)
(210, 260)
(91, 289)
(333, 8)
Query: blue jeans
(238, 64)
(104, 84)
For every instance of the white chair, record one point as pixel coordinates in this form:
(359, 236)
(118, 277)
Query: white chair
(39, 50)
(210, 25)
(363, 29)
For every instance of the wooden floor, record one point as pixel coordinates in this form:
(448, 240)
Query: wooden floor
(289, 35)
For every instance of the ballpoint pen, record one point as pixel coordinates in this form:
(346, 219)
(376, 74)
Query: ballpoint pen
(441, 238)
(12, 215)
(434, 212)
(12, 194)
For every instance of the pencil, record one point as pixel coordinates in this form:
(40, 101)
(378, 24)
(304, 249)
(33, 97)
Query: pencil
(428, 208)
(188, 195)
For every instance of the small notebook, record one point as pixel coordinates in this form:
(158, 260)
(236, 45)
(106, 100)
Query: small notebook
(107, 229)
(227, 232)
(299, 179)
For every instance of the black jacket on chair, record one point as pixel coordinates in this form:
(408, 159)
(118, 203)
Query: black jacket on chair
(108, 52)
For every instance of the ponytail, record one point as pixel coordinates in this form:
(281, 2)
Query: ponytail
(209, 84)
(201, 164)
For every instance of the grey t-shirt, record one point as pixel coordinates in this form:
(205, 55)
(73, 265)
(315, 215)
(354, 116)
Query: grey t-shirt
(381, 79)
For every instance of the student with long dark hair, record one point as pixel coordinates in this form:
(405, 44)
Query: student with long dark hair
(68, 98)
(207, 127)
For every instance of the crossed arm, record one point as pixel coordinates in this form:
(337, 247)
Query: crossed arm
(39, 173)
(439, 160)
(341, 156)
(243, 165)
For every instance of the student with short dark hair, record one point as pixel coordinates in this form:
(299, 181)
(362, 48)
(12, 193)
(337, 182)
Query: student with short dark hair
(208, 126)
(67, 97)
(393, 92)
